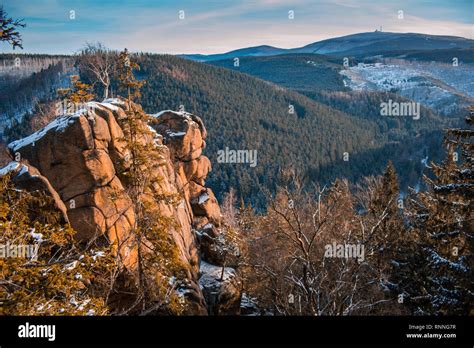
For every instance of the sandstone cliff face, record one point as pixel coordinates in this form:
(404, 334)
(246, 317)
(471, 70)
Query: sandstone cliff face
(78, 159)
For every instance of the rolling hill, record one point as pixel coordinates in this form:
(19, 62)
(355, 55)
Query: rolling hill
(436, 84)
(361, 44)
(301, 72)
(378, 42)
(442, 55)
(243, 112)
(244, 52)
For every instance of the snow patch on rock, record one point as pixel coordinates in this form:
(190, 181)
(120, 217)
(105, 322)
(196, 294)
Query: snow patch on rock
(9, 168)
(211, 275)
(58, 125)
(203, 198)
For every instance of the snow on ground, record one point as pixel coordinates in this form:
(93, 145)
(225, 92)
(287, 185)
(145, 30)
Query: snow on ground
(9, 168)
(157, 138)
(57, 125)
(24, 170)
(249, 305)
(211, 275)
(70, 266)
(161, 113)
(110, 106)
(12, 166)
(207, 226)
(439, 86)
(97, 254)
(186, 115)
(175, 134)
(114, 101)
(36, 236)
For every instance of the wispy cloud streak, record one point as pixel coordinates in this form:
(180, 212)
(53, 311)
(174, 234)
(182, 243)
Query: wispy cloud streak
(212, 26)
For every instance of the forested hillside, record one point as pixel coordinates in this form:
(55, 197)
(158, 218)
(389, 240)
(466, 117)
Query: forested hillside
(446, 55)
(373, 43)
(378, 42)
(27, 79)
(247, 113)
(318, 77)
(302, 72)
(244, 113)
(324, 134)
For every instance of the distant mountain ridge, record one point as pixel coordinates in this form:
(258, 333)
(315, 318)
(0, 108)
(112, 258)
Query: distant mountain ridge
(383, 41)
(255, 51)
(354, 44)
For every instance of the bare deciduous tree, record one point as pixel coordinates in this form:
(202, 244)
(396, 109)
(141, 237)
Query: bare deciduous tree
(98, 62)
(292, 273)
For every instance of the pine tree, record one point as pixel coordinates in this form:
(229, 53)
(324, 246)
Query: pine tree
(442, 221)
(126, 76)
(8, 29)
(387, 192)
(159, 263)
(78, 93)
(60, 277)
(384, 210)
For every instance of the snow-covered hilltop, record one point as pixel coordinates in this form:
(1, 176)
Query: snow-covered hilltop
(440, 86)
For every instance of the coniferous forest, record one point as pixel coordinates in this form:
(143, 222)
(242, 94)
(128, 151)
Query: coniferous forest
(152, 175)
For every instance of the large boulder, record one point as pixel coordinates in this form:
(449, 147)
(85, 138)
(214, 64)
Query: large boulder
(185, 135)
(27, 177)
(222, 289)
(205, 204)
(73, 152)
(197, 169)
(80, 160)
(183, 132)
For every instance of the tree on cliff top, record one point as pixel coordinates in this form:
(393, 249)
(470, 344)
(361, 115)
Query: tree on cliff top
(98, 63)
(159, 268)
(79, 92)
(126, 77)
(9, 29)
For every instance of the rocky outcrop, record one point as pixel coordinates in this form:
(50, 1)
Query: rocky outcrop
(76, 153)
(222, 289)
(185, 135)
(79, 159)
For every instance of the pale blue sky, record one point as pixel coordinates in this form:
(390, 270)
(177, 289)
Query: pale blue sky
(214, 26)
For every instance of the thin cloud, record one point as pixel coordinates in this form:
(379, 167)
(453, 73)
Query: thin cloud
(214, 27)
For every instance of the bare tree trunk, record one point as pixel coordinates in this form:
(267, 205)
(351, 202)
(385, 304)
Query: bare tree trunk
(223, 271)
